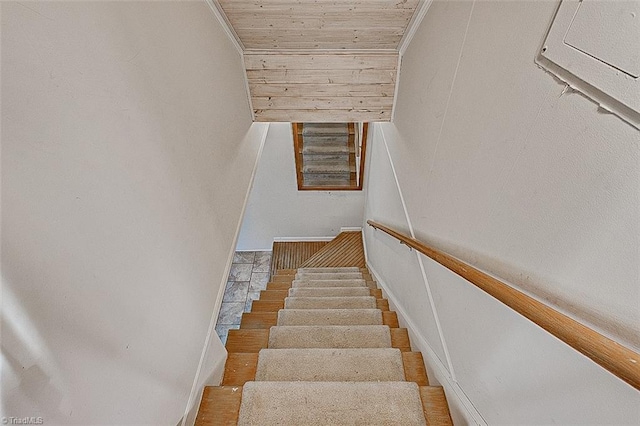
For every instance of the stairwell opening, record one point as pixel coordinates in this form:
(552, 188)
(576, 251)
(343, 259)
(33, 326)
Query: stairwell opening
(329, 156)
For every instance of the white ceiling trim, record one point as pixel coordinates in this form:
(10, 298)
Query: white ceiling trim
(413, 26)
(247, 88)
(215, 7)
(395, 90)
(319, 51)
(233, 37)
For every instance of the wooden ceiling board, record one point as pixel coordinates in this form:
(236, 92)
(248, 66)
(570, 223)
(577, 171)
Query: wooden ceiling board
(322, 87)
(321, 60)
(321, 90)
(319, 24)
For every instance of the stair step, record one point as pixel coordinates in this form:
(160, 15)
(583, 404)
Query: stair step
(329, 276)
(322, 176)
(314, 363)
(329, 291)
(319, 148)
(335, 139)
(435, 406)
(299, 317)
(342, 182)
(414, 369)
(382, 304)
(348, 302)
(283, 278)
(259, 320)
(330, 336)
(267, 305)
(329, 283)
(273, 294)
(336, 403)
(312, 156)
(240, 368)
(247, 341)
(343, 269)
(219, 405)
(330, 365)
(400, 339)
(325, 129)
(390, 318)
(278, 286)
(329, 167)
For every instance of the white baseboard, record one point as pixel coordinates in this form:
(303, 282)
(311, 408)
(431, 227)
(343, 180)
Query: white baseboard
(462, 409)
(351, 229)
(301, 239)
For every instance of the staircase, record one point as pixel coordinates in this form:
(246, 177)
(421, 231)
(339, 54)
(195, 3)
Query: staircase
(321, 347)
(326, 155)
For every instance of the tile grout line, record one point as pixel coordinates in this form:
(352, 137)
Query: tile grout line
(254, 264)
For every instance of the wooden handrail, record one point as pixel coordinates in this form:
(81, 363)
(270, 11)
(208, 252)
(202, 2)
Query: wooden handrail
(297, 129)
(363, 153)
(617, 359)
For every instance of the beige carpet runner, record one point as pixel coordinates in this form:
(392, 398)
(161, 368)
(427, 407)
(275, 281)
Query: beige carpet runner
(320, 347)
(330, 360)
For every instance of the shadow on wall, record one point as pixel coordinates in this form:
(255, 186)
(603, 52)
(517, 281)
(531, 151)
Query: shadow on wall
(28, 369)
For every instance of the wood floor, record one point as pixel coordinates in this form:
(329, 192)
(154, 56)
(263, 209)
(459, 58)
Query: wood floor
(292, 254)
(345, 250)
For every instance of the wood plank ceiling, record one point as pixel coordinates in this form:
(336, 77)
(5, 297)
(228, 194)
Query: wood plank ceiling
(320, 60)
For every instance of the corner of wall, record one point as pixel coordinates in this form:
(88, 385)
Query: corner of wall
(214, 375)
(218, 12)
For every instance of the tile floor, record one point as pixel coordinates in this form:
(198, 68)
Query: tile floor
(249, 274)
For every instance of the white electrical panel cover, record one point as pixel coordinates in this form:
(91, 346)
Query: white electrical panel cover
(597, 44)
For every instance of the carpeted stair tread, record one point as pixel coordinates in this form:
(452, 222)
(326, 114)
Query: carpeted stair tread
(322, 348)
(329, 283)
(299, 317)
(329, 276)
(329, 291)
(326, 146)
(330, 365)
(324, 166)
(325, 129)
(333, 157)
(323, 180)
(334, 140)
(329, 270)
(330, 336)
(347, 302)
(335, 403)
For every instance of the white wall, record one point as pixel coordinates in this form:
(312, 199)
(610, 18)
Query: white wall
(498, 166)
(127, 154)
(277, 209)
